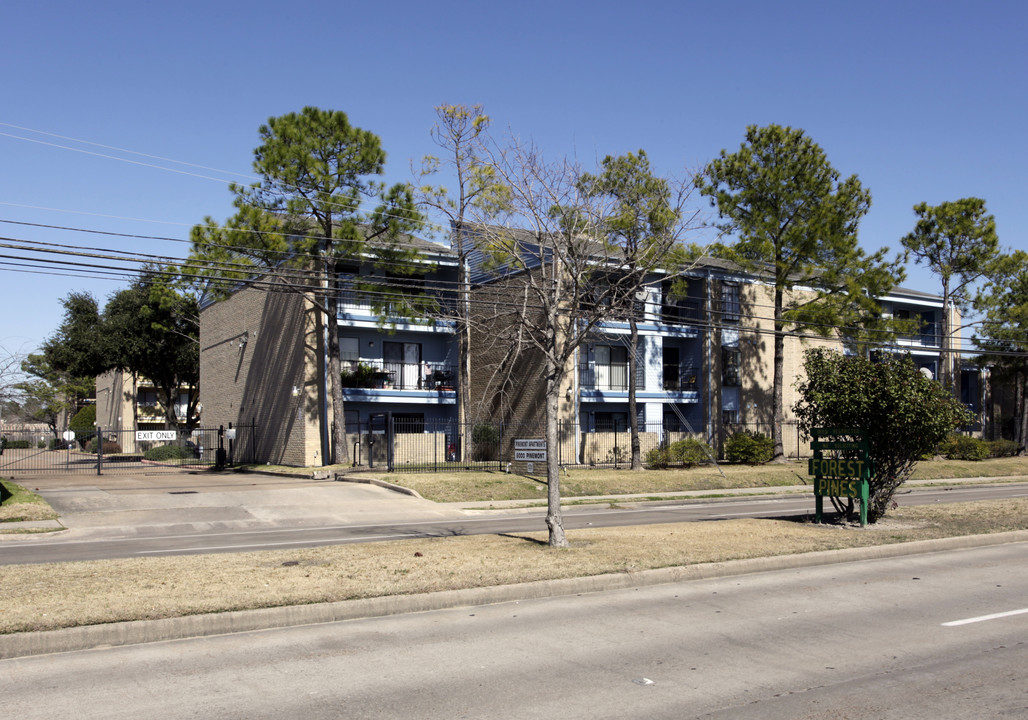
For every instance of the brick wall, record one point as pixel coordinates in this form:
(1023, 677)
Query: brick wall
(259, 355)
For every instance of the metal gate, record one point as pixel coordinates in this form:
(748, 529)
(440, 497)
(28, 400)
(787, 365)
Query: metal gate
(31, 452)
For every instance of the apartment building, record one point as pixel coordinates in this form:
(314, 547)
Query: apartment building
(263, 358)
(126, 403)
(704, 363)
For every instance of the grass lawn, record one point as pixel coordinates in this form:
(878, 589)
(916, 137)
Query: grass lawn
(20, 504)
(579, 482)
(42, 597)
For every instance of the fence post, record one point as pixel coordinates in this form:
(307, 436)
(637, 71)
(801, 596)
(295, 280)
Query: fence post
(231, 439)
(390, 436)
(99, 449)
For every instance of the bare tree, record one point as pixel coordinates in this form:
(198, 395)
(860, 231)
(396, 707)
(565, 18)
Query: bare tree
(460, 134)
(554, 280)
(10, 377)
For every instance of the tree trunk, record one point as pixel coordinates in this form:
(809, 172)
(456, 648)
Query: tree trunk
(554, 518)
(338, 452)
(779, 378)
(1021, 412)
(633, 413)
(464, 359)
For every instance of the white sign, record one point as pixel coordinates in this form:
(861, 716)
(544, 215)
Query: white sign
(150, 435)
(69, 435)
(528, 450)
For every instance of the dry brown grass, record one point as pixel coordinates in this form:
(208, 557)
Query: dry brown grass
(40, 597)
(579, 482)
(21, 504)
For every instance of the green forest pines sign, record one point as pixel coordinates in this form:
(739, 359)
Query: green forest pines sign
(847, 473)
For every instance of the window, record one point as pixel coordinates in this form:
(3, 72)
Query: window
(611, 422)
(409, 423)
(349, 353)
(730, 361)
(402, 364)
(347, 281)
(729, 302)
(729, 417)
(611, 367)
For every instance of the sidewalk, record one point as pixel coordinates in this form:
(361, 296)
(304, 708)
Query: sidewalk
(128, 505)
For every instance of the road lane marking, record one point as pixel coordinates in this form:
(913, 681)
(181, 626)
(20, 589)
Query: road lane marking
(983, 618)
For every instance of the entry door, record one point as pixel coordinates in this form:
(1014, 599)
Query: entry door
(403, 360)
(611, 367)
(672, 373)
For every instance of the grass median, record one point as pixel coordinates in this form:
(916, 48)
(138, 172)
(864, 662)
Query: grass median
(50, 596)
(18, 504)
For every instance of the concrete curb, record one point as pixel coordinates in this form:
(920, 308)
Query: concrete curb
(147, 631)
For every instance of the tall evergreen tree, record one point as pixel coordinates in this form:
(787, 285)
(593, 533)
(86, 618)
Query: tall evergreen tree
(1003, 302)
(795, 221)
(957, 241)
(642, 216)
(308, 211)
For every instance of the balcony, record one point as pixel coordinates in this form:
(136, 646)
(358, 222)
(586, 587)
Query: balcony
(680, 378)
(429, 305)
(385, 375)
(604, 376)
(681, 312)
(928, 335)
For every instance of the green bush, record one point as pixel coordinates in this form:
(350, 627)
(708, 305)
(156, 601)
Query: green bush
(1003, 448)
(163, 453)
(110, 447)
(9, 444)
(964, 447)
(84, 421)
(485, 442)
(687, 452)
(749, 448)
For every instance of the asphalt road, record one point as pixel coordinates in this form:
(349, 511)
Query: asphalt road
(923, 637)
(187, 538)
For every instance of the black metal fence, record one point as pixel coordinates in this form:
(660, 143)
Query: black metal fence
(401, 444)
(98, 451)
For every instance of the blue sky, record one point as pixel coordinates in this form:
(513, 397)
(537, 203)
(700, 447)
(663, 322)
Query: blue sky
(924, 101)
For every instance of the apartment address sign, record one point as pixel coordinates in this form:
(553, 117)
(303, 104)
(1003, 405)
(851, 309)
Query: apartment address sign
(530, 450)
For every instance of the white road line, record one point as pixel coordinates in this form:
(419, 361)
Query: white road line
(983, 618)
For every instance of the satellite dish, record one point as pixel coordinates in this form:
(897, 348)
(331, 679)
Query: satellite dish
(927, 373)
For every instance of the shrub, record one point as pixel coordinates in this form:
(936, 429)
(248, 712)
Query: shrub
(84, 421)
(110, 447)
(1004, 448)
(9, 444)
(163, 453)
(687, 452)
(964, 447)
(901, 413)
(658, 458)
(485, 442)
(749, 448)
